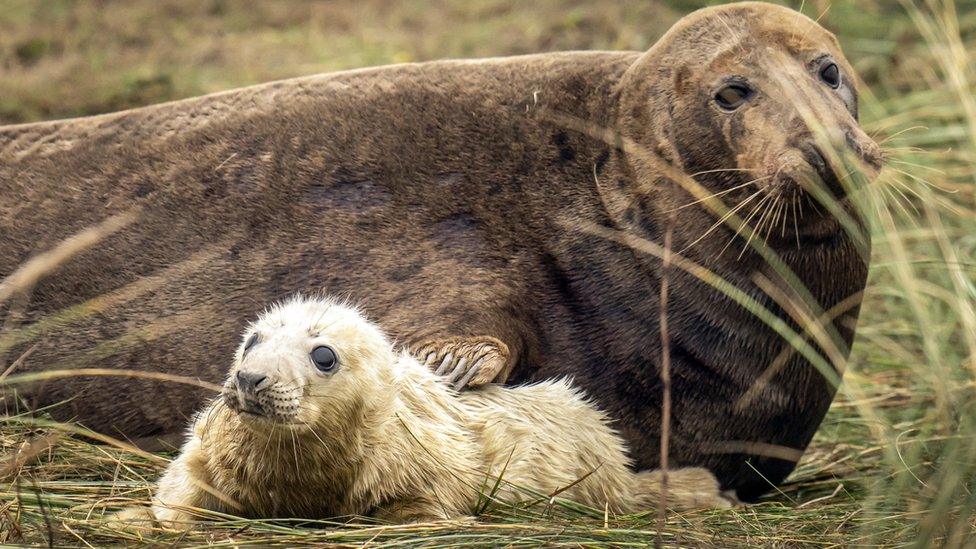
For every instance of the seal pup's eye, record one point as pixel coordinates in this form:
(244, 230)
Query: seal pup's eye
(251, 341)
(324, 358)
(732, 96)
(830, 74)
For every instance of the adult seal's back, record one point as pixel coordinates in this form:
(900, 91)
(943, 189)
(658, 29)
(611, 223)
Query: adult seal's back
(492, 198)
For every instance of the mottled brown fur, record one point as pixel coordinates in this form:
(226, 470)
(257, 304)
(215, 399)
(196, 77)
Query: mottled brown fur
(438, 194)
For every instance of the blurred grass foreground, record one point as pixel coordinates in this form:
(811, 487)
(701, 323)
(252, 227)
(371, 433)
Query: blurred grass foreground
(893, 463)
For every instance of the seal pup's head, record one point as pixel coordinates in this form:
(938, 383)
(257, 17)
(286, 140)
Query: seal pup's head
(307, 363)
(754, 101)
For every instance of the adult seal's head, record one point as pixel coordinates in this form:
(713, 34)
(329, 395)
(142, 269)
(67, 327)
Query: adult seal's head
(751, 100)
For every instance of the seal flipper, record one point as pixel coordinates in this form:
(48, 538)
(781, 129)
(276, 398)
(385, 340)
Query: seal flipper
(688, 488)
(465, 361)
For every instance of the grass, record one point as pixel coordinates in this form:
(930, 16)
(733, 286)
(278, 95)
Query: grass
(893, 463)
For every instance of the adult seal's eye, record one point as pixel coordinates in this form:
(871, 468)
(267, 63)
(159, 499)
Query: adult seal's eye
(830, 74)
(324, 358)
(733, 96)
(251, 341)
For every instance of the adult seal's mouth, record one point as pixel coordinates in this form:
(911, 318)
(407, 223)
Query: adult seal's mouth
(820, 231)
(827, 175)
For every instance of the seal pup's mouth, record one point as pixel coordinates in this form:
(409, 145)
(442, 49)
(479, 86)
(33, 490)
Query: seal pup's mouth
(242, 406)
(254, 412)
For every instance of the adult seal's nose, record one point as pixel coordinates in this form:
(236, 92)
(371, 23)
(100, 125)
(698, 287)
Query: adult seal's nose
(866, 149)
(251, 382)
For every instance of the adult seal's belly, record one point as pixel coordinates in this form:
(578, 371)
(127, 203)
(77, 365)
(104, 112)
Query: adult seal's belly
(457, 198)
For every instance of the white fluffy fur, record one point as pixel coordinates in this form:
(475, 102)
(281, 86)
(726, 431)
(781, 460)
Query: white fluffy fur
(382, 434)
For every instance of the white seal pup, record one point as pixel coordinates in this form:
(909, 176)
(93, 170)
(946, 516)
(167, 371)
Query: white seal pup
(322, 417)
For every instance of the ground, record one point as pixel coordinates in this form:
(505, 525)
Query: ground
(892, 464)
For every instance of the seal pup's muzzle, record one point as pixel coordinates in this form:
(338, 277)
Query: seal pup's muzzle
(256, 389)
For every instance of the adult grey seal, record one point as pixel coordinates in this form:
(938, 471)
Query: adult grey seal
(448, 197)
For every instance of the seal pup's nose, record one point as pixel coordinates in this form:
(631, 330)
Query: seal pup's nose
(251, 382)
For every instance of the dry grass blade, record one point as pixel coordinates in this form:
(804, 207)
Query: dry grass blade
(24, 278)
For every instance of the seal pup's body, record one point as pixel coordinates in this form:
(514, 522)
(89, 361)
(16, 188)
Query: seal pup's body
(448, 193)
(372, 430)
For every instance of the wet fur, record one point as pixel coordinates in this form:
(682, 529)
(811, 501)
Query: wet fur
(440, 191)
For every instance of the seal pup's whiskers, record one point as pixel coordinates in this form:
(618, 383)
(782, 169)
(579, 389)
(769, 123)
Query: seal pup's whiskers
(294, 447)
